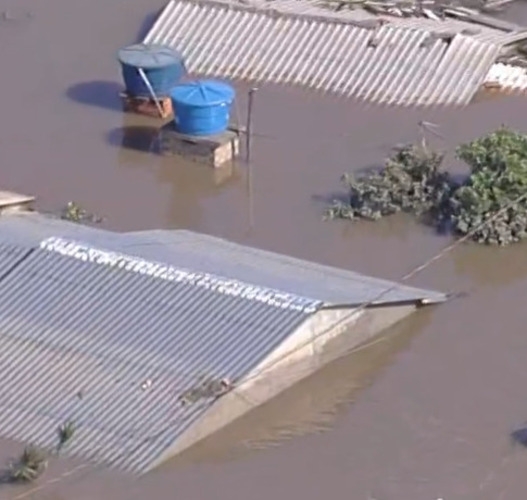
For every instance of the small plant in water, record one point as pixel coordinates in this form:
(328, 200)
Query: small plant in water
(75, 213)
(31, 464)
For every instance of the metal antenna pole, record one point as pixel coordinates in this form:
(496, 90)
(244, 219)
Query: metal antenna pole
(248, 129)
(248, 134)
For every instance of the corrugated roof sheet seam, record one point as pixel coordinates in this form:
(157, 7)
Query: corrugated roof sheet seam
(169, 273)
(392, 65)
(508, 77)
(11, 256)
(71, 326)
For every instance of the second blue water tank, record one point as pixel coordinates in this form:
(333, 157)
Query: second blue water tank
(202, 107)
(163, 67)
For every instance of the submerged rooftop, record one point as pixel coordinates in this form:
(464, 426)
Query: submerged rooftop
(379, 58)
(111, 329)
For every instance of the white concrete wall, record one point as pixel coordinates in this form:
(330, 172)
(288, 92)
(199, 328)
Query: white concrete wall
(323, 337)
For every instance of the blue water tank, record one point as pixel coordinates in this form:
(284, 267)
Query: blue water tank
(202, 107)
(163, 67)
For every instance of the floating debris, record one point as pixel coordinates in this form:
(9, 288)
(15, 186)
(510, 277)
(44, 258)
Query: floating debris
(431, 9)
(205, 388)
(75, 213)
(31, 464)
(412, 181)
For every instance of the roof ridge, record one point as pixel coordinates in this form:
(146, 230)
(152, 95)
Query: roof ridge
(225, 286)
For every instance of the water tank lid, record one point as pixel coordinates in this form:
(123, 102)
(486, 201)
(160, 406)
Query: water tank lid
(203, 93)
(149, 56)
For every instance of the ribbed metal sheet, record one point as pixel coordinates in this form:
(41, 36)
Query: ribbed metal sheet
(204, 253)
(29, 228)
(455, 27)
(330, 285)
(72, 328)
(209, 254)
(10, 257)
(507, 78)
(83, 329)
(326, 52)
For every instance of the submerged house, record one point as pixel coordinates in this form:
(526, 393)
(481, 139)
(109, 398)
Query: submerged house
(150, 341)
(391, 57)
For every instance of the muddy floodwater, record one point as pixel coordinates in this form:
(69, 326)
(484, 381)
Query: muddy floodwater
(423, 414)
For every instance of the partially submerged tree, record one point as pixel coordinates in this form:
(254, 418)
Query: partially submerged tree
(495, 192)
(498, 182)
(411, 181)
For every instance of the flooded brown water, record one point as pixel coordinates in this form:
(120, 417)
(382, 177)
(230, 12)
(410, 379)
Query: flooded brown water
(426, 413)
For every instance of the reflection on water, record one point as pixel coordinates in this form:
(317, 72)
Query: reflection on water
(189, 183)
(314, 404)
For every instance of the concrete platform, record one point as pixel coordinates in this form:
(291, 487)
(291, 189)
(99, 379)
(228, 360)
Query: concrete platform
(10, 201)
(146, 106)
(212, 150)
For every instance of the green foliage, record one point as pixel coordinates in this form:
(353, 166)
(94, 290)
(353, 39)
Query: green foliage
(31, 464)
(498, 164)
(65, 434)
(75, 213)
(412, 181)
(34, 461)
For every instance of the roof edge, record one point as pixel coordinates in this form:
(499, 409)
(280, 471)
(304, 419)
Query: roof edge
(432, 299)
(226, 286)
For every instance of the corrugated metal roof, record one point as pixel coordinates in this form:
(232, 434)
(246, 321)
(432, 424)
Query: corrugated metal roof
(330, 285)
(325, 51)
(507, 78)
(199, 252)
(69, 326)
(28, 229)
(82, 329)
(10, 256)
(453, 26)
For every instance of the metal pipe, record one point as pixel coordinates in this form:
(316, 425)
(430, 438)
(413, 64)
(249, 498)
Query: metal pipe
(248, 129)
(151, 90)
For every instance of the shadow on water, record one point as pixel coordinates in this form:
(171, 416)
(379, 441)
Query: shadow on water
(140, 138)
(519, 436)
(311, 406)
(98, 93)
